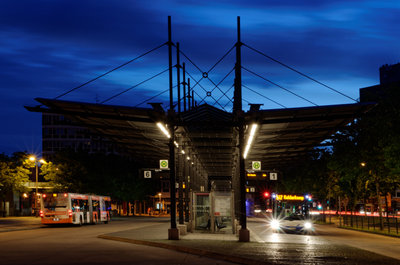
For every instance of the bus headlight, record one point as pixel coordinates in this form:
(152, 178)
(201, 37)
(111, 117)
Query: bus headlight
(275, 224)
(307, 225)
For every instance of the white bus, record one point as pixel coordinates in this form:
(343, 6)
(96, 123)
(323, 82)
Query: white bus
(73, 208)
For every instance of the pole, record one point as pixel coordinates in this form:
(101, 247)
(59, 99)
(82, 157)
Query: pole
(173, 232)
(36, 195)
(184, 86)
(178, 74)
(171, 101)
(244, 233)
(237, 101)
(181, 159)
(159, 205)
(188, 93)
(187, 200)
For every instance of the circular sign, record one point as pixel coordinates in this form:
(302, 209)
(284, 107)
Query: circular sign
(164, 164)
(256, 165)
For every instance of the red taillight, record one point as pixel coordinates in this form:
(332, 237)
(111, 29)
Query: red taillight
(41, 213)
(44, 195)
(65, 194)
(70, 213)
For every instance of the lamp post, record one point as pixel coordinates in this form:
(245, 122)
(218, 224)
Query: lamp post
(37, 162)
(159, 204)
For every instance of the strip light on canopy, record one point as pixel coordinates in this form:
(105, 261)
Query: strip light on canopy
(250, 139)
(163, 129)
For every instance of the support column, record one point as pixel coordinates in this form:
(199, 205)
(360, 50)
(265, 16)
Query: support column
(188, 96)
(244, 233)
(173, 232)
(184, 85)
(181, 173)
(187, 184)
(178, 76)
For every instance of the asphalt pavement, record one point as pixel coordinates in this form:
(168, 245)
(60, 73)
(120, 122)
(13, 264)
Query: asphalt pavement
(8, 224)
(225, 245)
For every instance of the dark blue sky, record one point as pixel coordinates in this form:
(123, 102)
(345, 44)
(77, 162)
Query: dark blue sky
(49, 47)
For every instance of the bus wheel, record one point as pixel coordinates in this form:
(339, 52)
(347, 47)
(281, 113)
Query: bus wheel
(80, 221)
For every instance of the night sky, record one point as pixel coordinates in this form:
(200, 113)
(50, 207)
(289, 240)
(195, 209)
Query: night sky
(50, 47)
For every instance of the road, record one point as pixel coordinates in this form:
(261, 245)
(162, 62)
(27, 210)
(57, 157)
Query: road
(325, 237)
(80, 245)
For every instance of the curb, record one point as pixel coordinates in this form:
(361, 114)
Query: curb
(193, 251)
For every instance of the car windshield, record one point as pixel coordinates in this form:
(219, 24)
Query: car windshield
(294, 217)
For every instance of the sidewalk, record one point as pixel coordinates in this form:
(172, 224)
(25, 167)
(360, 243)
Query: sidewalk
(217, 246)
(225, 246)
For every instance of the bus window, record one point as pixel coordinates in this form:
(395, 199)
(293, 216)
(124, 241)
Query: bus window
(84, 205)
(52, 202)
(96, 206)
(76, 205)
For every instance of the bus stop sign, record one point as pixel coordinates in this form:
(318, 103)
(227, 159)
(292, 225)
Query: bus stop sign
(164, 164)
(256, 165)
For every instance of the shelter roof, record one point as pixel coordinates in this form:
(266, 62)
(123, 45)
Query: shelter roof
(284, 136)
(209, 134)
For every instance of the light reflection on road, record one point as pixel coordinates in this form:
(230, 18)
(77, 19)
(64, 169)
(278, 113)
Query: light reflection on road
(325, 238)
(264, 234)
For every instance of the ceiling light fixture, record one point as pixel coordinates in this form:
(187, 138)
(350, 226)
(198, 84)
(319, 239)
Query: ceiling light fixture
(163, 129)
(250, 139)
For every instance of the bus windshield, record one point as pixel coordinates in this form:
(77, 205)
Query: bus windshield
(51, 202)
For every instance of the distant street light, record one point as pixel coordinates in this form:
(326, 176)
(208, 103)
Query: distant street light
(37, 162)
(363, 164)
(159, 204)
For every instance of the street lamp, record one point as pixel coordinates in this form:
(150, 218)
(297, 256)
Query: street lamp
(37, 162)
(159, 204)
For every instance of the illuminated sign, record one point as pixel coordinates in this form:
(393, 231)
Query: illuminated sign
(250, 189)
(287, 197)
(257, 175)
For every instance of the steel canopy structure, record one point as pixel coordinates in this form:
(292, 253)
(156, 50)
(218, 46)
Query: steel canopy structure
(208, 135)
(212, 140)
(287, 135)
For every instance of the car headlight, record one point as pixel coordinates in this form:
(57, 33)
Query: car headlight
(307, 225)
(275, 224)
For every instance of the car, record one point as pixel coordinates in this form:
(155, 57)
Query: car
(294, 223)
(257, 210)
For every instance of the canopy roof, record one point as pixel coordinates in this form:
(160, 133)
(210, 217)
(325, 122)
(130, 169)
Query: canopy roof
(209, 135)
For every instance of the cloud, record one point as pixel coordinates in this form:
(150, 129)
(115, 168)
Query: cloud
(50, 47)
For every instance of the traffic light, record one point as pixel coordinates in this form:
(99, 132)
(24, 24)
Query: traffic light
(266, 194)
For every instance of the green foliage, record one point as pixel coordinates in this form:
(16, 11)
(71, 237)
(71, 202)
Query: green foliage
(14, 173)
(392, 158)
(373, 139)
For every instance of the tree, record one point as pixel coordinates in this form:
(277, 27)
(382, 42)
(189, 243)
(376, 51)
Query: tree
(13, 175)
